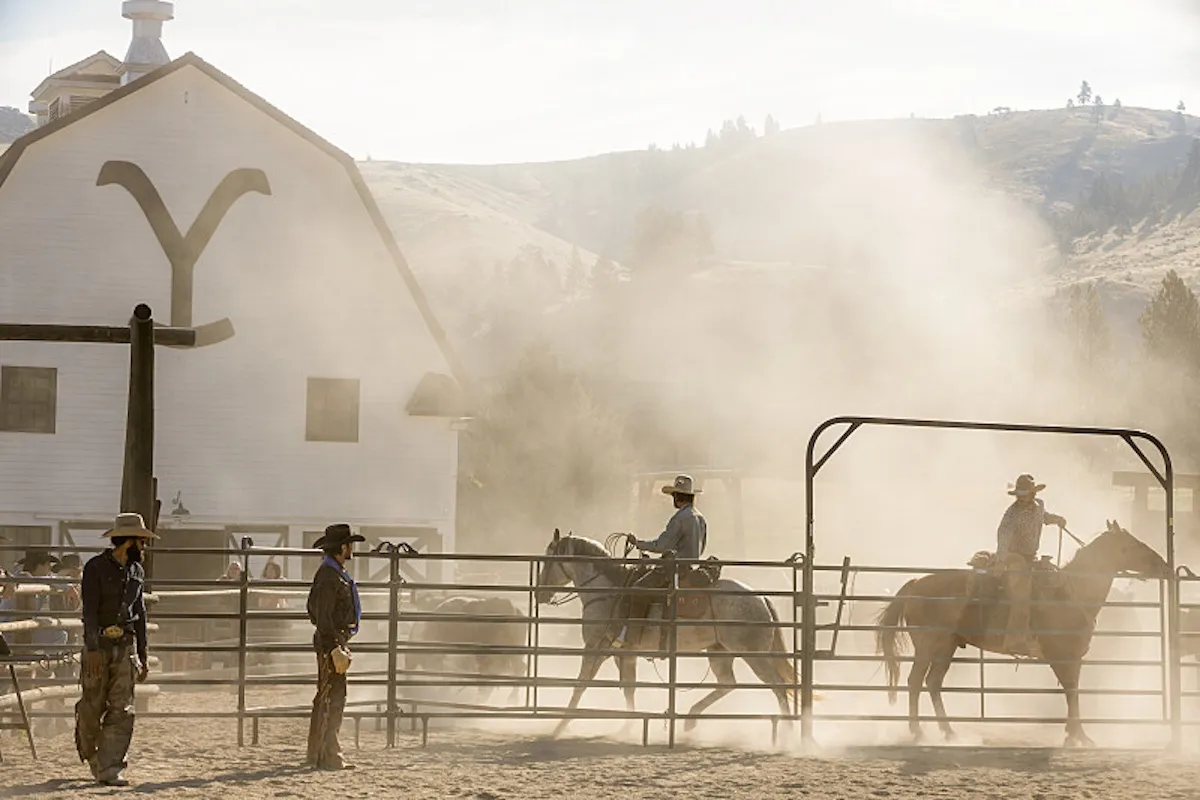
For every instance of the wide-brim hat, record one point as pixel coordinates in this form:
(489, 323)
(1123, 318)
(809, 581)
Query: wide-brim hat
(1026, 486)
(69, 561)
(130, 524)
(35, 558)
(336, 536)
(683, 485)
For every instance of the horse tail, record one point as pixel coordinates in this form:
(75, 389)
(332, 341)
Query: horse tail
(890, 637)
(785, 665)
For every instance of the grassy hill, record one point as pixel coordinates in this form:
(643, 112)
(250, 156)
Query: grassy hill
(819, 195)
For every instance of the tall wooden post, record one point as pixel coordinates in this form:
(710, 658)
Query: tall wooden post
(137, 481)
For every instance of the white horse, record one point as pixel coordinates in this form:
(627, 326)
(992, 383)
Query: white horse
(606, 580)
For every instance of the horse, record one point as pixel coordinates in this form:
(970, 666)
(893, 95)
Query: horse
(606, 581)
(932, 610)
(474, 634)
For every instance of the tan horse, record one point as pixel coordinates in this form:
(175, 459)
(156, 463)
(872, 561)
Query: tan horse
(936, 613)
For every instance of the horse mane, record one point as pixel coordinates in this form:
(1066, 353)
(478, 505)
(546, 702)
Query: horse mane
(616, 573)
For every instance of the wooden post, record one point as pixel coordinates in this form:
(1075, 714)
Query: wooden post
(137, 480)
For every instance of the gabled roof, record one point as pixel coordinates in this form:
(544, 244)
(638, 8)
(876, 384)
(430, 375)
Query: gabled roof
(10, 157)
(98, 56)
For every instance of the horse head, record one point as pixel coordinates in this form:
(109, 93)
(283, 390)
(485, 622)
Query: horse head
(554, 574)
(1127, 553)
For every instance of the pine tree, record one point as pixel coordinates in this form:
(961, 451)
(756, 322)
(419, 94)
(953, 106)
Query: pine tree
(1171, 324)
(1085, 93)
(1087, 326)
(770, 126)
(1181, 107)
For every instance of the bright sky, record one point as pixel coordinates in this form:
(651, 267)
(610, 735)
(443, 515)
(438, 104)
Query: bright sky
(483, 81)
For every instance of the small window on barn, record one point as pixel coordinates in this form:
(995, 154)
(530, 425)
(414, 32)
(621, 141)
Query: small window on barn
(332, 410)
(28, 399)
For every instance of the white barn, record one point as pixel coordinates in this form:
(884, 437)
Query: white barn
(334, 401)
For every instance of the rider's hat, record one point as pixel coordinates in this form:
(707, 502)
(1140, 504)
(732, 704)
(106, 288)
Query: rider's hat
(682, 485)
(1026, 486)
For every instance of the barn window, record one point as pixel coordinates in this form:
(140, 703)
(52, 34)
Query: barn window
(28, 399)
(332, 410)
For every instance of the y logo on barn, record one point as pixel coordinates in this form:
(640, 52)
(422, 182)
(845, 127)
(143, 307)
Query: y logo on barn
(182, 251)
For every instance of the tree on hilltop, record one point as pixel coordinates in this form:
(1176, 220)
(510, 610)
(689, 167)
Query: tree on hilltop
(1085, 93)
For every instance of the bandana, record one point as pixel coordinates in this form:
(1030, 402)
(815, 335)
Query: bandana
(331, 561)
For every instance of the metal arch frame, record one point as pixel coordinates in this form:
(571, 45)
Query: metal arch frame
(1165, 478)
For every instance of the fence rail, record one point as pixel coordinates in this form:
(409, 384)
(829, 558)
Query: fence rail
(233, 628)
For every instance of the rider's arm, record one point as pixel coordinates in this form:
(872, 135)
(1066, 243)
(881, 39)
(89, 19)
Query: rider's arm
(667, 540)
(1053, 519)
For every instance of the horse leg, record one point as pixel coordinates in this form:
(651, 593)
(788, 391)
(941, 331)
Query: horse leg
(627, 670)
(939, 665)
(722, 668)
(588, 667)
(916, 678)
(771, 672)
(1067, 672)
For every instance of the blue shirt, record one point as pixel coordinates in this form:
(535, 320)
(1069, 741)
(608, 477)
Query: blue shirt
(686, 534)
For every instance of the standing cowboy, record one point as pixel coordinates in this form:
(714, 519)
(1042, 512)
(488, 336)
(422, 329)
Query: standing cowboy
(114, 637)
(1017, 541)
(334, 609)
(686, 535)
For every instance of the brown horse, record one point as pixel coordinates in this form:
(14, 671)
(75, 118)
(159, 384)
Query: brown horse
(934, 610)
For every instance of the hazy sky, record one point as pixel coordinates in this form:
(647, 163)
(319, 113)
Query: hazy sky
(516, 80)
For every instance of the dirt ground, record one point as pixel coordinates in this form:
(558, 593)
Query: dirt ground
(199, 758)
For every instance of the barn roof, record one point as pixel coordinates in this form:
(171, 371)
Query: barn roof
(10, 157)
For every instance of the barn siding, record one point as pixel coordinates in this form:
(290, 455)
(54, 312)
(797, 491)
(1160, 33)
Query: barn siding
(303, 275)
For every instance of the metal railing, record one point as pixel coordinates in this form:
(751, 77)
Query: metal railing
(386, 689)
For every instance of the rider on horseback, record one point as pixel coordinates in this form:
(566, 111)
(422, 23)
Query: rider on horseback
(686, 535)
(1017, 541)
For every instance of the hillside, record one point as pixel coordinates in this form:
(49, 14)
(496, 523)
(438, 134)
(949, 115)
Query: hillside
(13, 123)
(806, 195)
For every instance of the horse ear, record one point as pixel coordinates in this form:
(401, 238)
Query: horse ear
(556, 535)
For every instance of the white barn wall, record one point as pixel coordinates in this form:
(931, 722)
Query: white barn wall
(302, 273)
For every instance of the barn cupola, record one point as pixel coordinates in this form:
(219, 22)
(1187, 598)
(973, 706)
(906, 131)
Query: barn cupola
(146, 51)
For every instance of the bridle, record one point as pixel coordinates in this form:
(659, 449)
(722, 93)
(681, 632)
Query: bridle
(563, 600)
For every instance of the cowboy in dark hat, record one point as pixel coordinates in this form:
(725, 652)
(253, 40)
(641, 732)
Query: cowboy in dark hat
(1017, 541)
(686, 535)
(114, 638)
(334, 609)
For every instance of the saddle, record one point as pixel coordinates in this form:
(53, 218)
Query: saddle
(701, 576)
(985, 588)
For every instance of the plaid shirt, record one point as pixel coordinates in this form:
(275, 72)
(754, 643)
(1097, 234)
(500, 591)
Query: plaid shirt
(1020, 530)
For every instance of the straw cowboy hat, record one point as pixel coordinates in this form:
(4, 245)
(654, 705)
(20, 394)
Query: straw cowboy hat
(336, 536)
(1025, 486)
(682, 485)
(35, 558)
(130, 524)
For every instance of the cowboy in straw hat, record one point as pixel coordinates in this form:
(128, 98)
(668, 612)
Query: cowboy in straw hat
(334, 609)
(1017, 541)
(114, 635)
(686, 535)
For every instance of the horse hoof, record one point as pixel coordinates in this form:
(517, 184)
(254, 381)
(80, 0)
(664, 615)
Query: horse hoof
(689, 725)
(949, 735)
(916, 737)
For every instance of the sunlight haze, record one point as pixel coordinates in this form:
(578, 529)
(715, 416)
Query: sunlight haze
(480, 82)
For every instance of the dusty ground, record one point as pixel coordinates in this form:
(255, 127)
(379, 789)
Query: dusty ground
(199, 758)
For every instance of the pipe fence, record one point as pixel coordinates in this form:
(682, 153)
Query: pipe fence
(250, 638)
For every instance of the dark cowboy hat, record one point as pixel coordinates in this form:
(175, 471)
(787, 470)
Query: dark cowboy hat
(1026, 486)
(336, 536)
(69, 561)
(35, 558)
